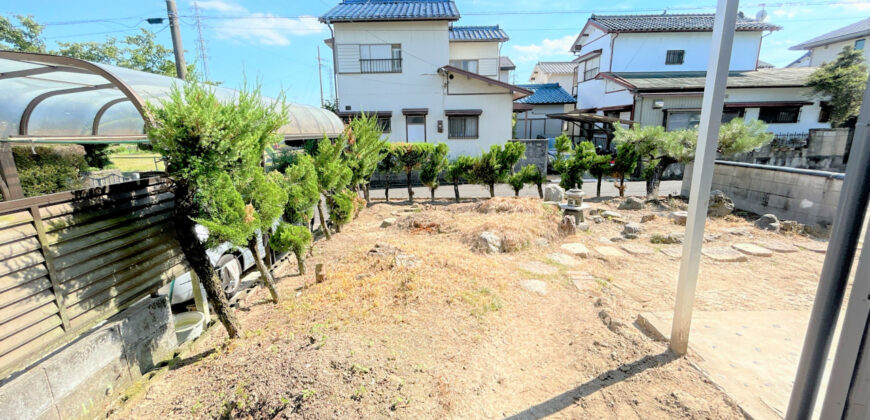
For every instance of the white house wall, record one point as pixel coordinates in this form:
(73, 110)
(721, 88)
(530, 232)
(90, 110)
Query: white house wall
(828, 53)
(494, 122)
(485, 52)
(635, 52)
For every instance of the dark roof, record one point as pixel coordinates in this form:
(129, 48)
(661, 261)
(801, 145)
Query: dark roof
(693, 80)
(672, 23)
(478, 33)
(391, 10)
(855, 30)
(546, 93)
(505, 63)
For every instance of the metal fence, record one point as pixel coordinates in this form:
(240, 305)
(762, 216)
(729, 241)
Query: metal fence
(70, 260)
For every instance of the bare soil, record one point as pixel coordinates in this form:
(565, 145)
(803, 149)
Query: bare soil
(431, 327)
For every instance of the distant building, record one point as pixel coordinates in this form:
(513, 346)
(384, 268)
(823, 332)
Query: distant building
(562, 72)
(532, 111)
(651, 69)
(426, 79)
(506, 69)
(824, 48)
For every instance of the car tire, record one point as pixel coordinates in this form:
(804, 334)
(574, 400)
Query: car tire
(230, 272)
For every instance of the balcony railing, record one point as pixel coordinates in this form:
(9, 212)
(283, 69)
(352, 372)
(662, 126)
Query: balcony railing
(380, 65)
(589, 74)
(790, 140)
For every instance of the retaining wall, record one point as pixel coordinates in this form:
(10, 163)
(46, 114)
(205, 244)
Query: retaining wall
(805, 195)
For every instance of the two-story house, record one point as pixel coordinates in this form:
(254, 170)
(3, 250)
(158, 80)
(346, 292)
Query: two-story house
(651, 69)
(426, 79)
(562, 72)
(824, 48)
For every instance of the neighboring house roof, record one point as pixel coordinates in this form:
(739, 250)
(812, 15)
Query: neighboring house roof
(505, 63)
(694, 80)
(802, 61)
(546, 93)
(517, 91)
(478, 33)
(672, 23)
(764, 65)
(855, 30)
(556, 67)
(391, 10)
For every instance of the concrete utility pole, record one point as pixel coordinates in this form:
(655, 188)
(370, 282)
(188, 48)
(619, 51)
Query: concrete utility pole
(320, 75)
(702, 169)
(180, 66)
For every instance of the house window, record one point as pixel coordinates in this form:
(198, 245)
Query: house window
(385, 124)
(464, 127)
(589, 68)
(779, 114)
(681, 120)
(859, 44)
(416, 128)
(675, 57)
(380, 58)
(824, 112)
(467, 65)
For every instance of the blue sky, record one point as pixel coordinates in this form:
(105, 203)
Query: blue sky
(244, 39)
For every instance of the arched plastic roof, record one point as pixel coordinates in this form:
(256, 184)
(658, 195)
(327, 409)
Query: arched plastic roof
(70, 100)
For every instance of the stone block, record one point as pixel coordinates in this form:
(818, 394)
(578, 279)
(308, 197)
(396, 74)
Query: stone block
(78, 363)
(148, 331)
(723, 254)
(752, 249)
(27, 397)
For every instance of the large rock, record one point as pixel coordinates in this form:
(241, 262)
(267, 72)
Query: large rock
(489, 242)
(720, 205)
(534, 286)
(632, 230)
(611, 215)
(567, 227)
(553, 193)
(768, 222)
(632, 203)
(679, 217)
(388, 222)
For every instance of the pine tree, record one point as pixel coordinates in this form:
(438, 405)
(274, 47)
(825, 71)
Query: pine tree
(364, 151)
(410, 156)
(572, 167)
(332, 173)
(300, 183)
(457, 172)
(388, 164)
(288, 237)
(487, 169)
(624, 164)
(433, 164)
(533, 175)
(843, 81)
(599, 167)
(510, 154)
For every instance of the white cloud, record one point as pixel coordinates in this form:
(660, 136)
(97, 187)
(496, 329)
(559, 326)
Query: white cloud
(220, 6)
(548, 48)
(857, 5)
(260, 28)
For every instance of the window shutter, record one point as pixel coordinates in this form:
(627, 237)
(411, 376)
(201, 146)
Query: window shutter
(347, 56)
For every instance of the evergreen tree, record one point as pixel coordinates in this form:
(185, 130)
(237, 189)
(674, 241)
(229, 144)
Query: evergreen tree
(433, 164)
(332, 173)
(624, 164)
(599, 167)
(388, 164)
(843, 81)
(510, 154)
(573, 164)
(364, 151)
(487, 169)
(410, 156)
(294, 238)
(342, 208)
(457, 172)
(302, 192)
(533, 175)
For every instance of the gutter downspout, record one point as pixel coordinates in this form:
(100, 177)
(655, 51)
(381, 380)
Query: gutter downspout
(334, 63)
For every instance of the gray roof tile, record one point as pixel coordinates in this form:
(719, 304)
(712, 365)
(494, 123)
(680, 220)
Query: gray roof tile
(478, 33)
(772, 77)
(391, 10)
(505, 63)
(672, 23)
(557, 66)
(855, 30)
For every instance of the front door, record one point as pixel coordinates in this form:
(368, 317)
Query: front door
(416, 128)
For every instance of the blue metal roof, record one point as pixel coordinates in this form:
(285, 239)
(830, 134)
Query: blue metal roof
(391, 10)
(478, 33)
(546, 93)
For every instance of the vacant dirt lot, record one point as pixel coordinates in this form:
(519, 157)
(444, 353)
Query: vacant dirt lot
(414, 322)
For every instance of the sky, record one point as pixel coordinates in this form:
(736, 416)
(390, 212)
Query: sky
(274, 43)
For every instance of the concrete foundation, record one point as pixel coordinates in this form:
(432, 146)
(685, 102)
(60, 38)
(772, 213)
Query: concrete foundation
(78, 379)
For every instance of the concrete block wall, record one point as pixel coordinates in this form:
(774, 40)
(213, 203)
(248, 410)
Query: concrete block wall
(805, 195)
(78, 379)
(536, 154)
(825, 150)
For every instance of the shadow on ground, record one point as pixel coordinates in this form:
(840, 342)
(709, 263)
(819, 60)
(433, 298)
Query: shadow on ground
(606, 379)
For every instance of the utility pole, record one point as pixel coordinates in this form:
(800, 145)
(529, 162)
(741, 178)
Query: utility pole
(180, 66)
(200, 41)
(320, 75)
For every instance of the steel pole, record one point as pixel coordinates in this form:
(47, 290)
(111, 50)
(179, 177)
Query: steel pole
(835, 271)
(702, 170)
(177, 46)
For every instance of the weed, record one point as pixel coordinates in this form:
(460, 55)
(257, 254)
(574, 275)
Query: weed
(359, 393)
(308, 393)
(398, 402)
(358, 368)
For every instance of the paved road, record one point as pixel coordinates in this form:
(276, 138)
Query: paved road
(503, 190)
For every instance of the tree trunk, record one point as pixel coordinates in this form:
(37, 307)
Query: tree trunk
(323, 220)
(456, 190)
(622, 185)
(195, 253)
(655, 180)
(541, 191)
(491, 190)
(598, 188)
(300, 261)
(265, 276)
(432, 194)
(366, 191)
(516, 193)
(387, 190)
(410, 191)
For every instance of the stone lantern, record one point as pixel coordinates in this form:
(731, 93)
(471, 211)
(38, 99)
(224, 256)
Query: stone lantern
(574, 204)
